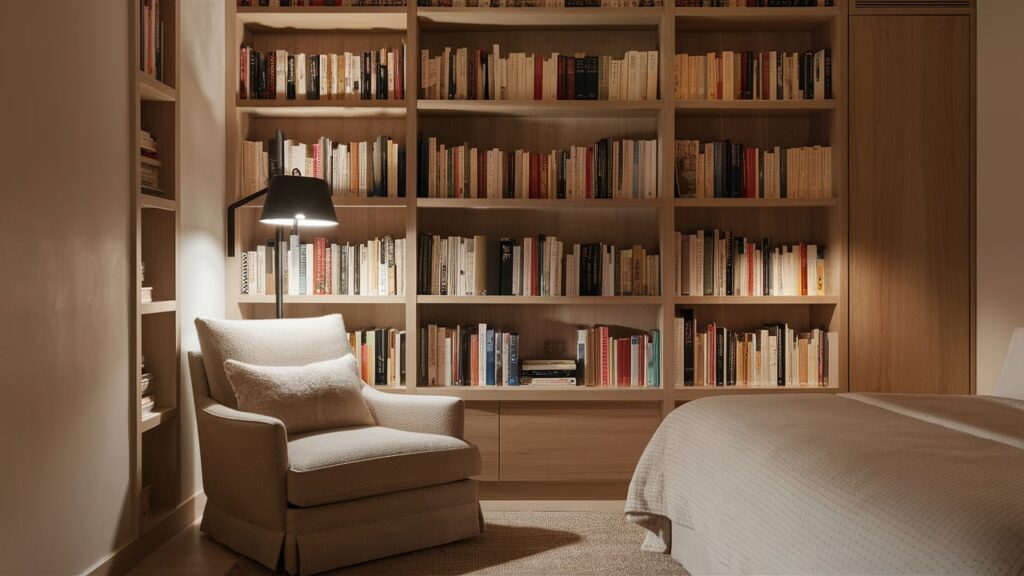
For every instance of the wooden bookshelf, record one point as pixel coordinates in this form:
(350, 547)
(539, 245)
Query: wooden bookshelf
(520, 415)
(155, 336)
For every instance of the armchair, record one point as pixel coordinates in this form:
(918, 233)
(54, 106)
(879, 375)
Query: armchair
(321, 500)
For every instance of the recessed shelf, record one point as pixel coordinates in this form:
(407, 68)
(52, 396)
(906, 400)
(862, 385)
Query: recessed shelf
(159, 307)
(285, 108)
(152, 89)
(757, 300)
(541, 108)
(695, 392)
(440, 18)
(325, 17)
(754, 107)
(159, 415)
(537, 204)
(743, 19)
(327, 299)
(756, 203)
(156, 202)
(585, 393)
(522, 300)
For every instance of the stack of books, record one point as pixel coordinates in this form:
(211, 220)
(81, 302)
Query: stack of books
(471, 355)
(549, 373)
(278, 75)
(774, 75)
(149, 170)
(147, 398)
(380, 354)
(724, 169)
(622, 362)
(464, 74)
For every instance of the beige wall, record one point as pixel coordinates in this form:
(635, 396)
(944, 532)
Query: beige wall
(1000, 191)
(64, 289)
(202, 196)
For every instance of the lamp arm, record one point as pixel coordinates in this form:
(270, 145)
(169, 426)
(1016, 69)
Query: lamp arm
(231, 218)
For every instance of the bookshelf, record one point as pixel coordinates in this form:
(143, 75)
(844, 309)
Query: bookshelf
(512, 424)
(157, 499)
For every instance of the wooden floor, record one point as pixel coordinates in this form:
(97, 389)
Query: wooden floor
(193, 553)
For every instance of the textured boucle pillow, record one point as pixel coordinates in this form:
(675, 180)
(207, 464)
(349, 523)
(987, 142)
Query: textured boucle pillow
(308, 398)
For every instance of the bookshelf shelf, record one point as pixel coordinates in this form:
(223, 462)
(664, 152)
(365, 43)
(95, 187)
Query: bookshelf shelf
(687, 393)
(535, 204)
(325, 17)
(158, 307)
(441, 19)
(323, 108)
(159, 415)
(754, 107)
(742, 19)
(149, 201)
(524, 393)
(152, 89)
(756, 203)
(757, 300)
(547, 300)
(540, 108)
(332, 299)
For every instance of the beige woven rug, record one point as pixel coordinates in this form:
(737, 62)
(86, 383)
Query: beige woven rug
(524, 544)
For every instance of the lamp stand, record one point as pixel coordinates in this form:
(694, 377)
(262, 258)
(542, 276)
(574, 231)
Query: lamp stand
(279, 273)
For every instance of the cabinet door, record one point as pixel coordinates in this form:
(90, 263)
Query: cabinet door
(910, 204)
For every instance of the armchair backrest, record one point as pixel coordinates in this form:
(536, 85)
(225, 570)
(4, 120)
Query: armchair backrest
(291, 342)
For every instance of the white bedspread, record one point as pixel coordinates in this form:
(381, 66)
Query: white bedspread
(840, 484)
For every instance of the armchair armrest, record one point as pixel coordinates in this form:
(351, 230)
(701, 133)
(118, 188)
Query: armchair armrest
(245, 463)
(430, 414)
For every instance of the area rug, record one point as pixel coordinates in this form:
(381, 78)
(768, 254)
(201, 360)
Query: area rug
(524, 544)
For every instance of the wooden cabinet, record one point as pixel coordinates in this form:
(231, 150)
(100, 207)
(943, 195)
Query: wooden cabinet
(482, 431)
(911, 204)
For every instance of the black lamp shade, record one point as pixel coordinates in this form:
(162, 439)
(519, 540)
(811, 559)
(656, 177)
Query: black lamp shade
(298, 200)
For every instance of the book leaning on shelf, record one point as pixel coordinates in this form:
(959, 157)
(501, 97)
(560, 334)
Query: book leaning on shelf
(470, 355)
(771, 356)
(464, 74)
(714, 263)
(628, 361)
(380, 354)
(278, 75)
(321, 268)
(621, 169)
(368, 169)
(773, 75)
(724, 169)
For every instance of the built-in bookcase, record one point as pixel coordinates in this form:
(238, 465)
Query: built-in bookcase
(155, 341)
(531, 436)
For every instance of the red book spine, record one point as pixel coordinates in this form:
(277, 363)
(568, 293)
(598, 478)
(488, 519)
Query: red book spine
(625, 348)
(803, 269)
(319, 245)
(243, 76)
(271, 76)
(534, 175)
(750, 267)
(570, 78)
(560, 89)
(718, 83)
(544, 192)
(538, 77)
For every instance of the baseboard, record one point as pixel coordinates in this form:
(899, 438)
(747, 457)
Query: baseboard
(610, 490)
(129, 555)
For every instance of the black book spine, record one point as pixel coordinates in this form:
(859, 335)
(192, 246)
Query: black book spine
(380, 347)
(253, 73)
(505, 266)
(591, 76)
(464, 356)
(719, 356)
(731, 351)
(290, 77)
(580, 78)
(828, 74)
(688, 357)
(314, 78)
(401, 358)
(709, 270)
(809, 76)
(781, 354)
(766, 273)
(718, 169)
(783, 181)
(422, 345)
(423, 272)
(730, 289)
(401, 171)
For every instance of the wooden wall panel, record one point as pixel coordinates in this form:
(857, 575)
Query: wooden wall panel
(482, 431)
(910, 204)
(574, 441)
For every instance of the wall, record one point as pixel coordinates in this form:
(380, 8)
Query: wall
(1000, 280)
(202, 194)
(64, 296)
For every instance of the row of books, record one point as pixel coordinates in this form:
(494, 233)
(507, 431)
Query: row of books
(715, 263)
(724, 169)
(320, 268)
(539, 3)
(149, 167)
(369, 75)
(464, 74)
(542, 266)
(301, 3)
(471, 355)
(754, 3)
(380, 354)
(607, 169)
(771, 356)
(364, 169)
(773, 75)
(151, 38)
(606, 360)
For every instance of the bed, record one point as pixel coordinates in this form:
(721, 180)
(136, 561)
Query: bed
(836, 484)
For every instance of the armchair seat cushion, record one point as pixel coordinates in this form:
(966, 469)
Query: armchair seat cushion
(350, 463)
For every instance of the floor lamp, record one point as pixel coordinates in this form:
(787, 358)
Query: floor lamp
(292, 201)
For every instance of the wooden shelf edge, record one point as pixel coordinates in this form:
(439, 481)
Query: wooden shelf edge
(540, 108)
(756, 202)
(695, 392)
(158, 307)
(775, 12)
(527, 300)
(536, 17)
(157, 202)
(152, 89)
(326, 299)
(585, 393)
(748, 300)
(755, 106)
(536, 203)
(159, 415)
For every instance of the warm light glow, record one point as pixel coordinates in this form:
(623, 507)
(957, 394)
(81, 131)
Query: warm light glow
(278, 221)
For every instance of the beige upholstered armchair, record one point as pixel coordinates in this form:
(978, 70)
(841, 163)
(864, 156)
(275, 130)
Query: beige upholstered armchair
(320, 500)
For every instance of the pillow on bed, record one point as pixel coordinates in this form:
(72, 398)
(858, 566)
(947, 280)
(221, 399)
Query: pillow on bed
(1011, 379)
(308, 398)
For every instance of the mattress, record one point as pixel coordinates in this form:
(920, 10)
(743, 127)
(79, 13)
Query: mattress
(836, 484)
